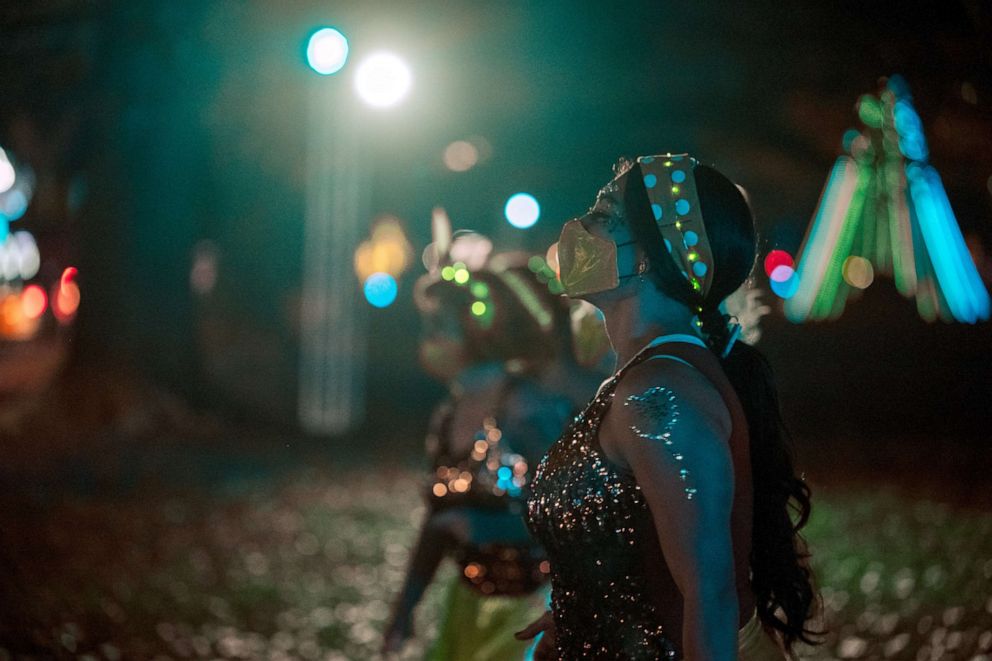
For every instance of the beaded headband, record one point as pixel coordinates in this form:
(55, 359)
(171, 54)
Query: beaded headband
(671, 187)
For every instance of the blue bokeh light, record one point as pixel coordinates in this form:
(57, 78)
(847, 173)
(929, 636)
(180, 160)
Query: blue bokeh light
(380, 289)
(786, 288)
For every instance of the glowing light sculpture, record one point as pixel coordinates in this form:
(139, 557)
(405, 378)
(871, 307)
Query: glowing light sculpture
(884, 210)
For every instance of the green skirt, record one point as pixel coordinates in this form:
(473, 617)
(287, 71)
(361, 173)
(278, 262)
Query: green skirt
(474, 627)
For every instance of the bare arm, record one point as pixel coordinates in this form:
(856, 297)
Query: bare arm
(674, 439)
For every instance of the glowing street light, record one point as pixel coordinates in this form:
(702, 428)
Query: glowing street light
(383, 80)
(327, 51)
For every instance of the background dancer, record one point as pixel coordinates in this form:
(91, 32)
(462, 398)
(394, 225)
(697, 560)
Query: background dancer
(500, 341)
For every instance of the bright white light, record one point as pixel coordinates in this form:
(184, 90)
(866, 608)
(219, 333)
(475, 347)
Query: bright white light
(327, 51)
(383, 79)
(28, 255)
(522, 210)
(7, 176)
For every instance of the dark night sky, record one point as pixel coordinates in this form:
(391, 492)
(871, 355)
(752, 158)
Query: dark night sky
(188, 123)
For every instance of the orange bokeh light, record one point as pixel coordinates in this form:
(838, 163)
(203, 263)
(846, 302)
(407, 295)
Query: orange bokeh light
(34, 300)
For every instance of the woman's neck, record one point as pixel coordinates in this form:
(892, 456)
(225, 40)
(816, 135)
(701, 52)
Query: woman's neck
(633, 322)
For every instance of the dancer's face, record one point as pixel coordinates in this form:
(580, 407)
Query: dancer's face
(597, 254)
(442, 346)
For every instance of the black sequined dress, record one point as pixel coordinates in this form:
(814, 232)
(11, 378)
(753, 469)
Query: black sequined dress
(594, 523)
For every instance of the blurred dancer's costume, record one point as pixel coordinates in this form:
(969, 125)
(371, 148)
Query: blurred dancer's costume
(497, 590)
(479, 481)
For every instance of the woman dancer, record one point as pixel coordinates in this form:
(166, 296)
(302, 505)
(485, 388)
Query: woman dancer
(491, 335)
(666, 507)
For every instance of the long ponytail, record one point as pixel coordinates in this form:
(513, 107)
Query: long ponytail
(780, 574)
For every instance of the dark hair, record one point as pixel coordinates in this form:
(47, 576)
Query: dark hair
(781, 578)
(511, 331)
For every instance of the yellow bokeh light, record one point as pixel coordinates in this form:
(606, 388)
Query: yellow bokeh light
(858, 272)
(387, 251)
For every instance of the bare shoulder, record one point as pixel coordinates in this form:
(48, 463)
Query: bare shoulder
(669, 426)
(657, 390)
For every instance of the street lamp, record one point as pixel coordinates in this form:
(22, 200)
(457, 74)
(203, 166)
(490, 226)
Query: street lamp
(383, 80)
(333, 338)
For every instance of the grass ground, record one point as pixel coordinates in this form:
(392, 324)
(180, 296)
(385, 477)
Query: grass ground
(267, 558)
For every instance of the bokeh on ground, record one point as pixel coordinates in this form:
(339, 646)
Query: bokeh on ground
(254, 545)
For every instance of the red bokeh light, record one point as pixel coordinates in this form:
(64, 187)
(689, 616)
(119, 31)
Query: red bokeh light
(777, 258)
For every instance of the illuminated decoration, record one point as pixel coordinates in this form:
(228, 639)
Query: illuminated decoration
(15, 324)
(386, 251)
(23, 305)
(19, 257)
(16, 190)
(460, 156)
(482, 306)
(858, 272)
(383, 80)
(34, 300)
(776, 258)
(7, 175)
(522, 210)
(380, 289)
(327, 51)
(545, 273)
(65, 296)
(884, 210)
(671, 188)
(785, 282)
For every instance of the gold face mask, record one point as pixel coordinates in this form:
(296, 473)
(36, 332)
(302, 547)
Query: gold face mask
(587, 263)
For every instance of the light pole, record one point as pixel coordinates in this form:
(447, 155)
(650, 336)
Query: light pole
(334, 318)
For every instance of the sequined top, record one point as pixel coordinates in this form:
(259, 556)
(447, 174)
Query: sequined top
(597, 529)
